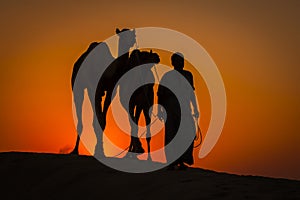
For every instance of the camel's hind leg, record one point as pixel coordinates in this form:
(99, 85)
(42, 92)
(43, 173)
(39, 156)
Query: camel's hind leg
(78, 100)
(135, 144)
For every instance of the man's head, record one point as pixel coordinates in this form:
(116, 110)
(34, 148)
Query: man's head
(177, 61)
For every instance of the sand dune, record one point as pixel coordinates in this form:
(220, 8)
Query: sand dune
(58, 176)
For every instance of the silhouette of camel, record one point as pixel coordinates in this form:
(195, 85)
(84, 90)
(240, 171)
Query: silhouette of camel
(142, 99)
(110, 77)
(91, 76)
(89, 81)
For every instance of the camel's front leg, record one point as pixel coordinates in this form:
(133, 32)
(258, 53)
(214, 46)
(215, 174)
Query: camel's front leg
(148, 139)
(98, 123)
(148, 134)
(106, 105)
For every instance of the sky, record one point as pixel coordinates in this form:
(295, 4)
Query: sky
(255, 45)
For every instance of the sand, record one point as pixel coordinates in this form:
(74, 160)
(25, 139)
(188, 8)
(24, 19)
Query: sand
(58, 176)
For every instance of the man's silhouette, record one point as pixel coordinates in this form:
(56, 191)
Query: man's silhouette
(178, 113)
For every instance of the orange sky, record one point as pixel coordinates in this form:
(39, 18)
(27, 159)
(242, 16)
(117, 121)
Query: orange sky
(254, 44)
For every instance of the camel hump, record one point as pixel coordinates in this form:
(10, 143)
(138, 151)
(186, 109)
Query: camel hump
(105, 58)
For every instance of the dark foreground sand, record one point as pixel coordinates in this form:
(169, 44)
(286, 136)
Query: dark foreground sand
(56, 176)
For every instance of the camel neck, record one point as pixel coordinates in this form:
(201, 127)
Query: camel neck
(123, 48)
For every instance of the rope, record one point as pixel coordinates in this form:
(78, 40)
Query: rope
(198, 134)
(143, 133)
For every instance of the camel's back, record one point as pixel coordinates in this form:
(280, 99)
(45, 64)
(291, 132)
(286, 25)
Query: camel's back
(91, 65)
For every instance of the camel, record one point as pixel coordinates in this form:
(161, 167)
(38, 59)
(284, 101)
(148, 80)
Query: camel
(142, 99)
(96, 90)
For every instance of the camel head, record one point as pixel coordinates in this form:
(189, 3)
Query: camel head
(127, 37)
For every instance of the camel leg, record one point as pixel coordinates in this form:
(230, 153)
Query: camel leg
(78, 100)
(148, 133)
(100, 115)
(99, 149)
(98, 124)
(106, 105)
(148, 145)
(137, 143)
(75, 150)
(131, 117)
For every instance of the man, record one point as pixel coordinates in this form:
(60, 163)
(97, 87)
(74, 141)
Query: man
(176, 94)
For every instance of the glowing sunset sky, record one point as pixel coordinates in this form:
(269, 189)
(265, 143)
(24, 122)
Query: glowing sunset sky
(255, 46)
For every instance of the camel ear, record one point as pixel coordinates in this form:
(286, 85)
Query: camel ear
(117, 31)
(151, 51)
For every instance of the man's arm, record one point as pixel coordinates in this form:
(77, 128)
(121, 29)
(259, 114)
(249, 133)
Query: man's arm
(193, 96)
(195, 105)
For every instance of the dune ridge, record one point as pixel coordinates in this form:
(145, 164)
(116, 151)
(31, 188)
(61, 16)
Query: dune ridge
(26, 175)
